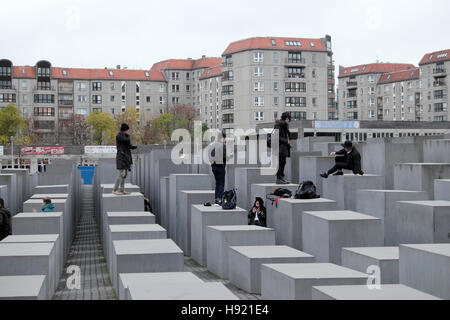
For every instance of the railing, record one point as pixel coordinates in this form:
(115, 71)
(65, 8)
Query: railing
(351, 95)
(65, 116)
(439, 70)
(224, 107)
(227, 64)
(352, 84)
(295, 75)
(440, 96)
(295, 60)
(438, 84)
(65, 89)
(227, 79)
(44, 88)
(66, 102)
(8, 87)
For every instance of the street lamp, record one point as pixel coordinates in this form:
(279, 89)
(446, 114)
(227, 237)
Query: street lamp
(12, 152)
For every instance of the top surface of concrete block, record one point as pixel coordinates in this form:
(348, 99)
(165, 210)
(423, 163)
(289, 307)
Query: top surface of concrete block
(274, 185)
(340, 215)
(304, 201)
(158, 277)
(25, 215)
(133, 194)
(202, 208)
(270, 252)
(25, 249)
(239, 228)
(30, 238)
(130, 247)
(393, 191)
(378, 253)
(111, 185)
(430, 203)
(315, 271)
(33, 201)
(189, 174)
(439, 249)
(387, 292)
(21, 286)
(197, 191)
(135, 227)
(52, 186)
(51, 196)
(129, 214)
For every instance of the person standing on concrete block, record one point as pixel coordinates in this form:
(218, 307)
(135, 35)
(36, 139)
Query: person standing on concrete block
(124, 159)
(282, 126)
(5, 221)
(218, 165)
(348, 159)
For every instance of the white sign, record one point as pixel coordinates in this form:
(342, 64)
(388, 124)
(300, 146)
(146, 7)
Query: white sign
(100, 149)
(1, 151)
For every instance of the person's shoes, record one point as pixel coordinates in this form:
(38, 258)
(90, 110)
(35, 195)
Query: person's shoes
(338, 173)
(118, 193)
(324, 175)
(126, 193)
(207, 204)
(281, 181)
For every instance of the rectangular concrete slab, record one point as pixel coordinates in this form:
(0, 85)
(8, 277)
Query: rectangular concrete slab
(108, 187)
(10, 180)
(287, 218)
(386, 258)
(62, 188)
(50, 195)
(202, 217)
(245, 177)
(23, 288)
(442, 189)
(343, 188)
(131, 256)
(220, 238)
(436, 151)
(325, 233)
(155, 278)
(245, 263)
(310, 168)
(187, 198)
(164, 202)
(385, 292)
(383, 204)
(295, 281)
(426, 267)
(423, 222)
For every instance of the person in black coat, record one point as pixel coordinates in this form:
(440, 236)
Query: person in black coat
(218, 167)
(257, 214)
(285, 145)
(123, 159)
(348, 159)
(5, 221)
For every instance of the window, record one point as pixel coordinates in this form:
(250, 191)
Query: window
(175, 88)
(24, 98)
(275, 86)
(161, 100)
(42, 98)
(96, 99)
(295, 73)
(137, 88)
(258, 57)
(44, 112)
(274, 43)
(81, 86)
(227, 104)
(175, 75)
(293, 43)
(259, 101)
(162, 88)
(82, 98)
(298, 115)
(295, 87)
(258, 71)
(440, 107)
(314, 102)
(96, 86)
(227, 90)
(295, 57)
(313, 73)
(188, 75)
(275, 102)
(82, 111)
(112, 98)
(275, 57)
(295, 101)
(314, 57)
(275, 71)
(147, 86)
(352, 115)
(188, 88)
(5, 84)
(352, 104)
(258, 86)
(175, 100)
(371, 114)
(24, 84)
(314, 115)
(227, 76)
(8, 97)
(259, 116)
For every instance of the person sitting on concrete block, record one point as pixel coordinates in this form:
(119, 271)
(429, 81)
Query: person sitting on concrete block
(348, 159)
(257, 214)
(47, 205)
(5, 221)
(124, 159)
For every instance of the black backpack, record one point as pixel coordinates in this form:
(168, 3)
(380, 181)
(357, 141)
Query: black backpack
(306, 190)
(277, 194)
(229, 200)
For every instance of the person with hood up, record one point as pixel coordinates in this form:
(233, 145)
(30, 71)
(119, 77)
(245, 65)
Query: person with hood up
(47, 205)
(257, 214)
(124, 159)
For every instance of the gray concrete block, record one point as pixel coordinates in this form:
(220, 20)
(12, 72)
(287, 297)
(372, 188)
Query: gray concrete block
(295, 281)
(23, 288)
(426, 267)
(202, 217)
(382, 204)
(164, 202)
(325, 233)
(307, 144)
(5, 196)
(386, 258)
(180, 182)
(108, 188)
(442, 189)
(245, 177)
(132, 256)
(22, 185)
(423, 222)
(420, 176)
(41, 196)
(385, 292)
(325, 148)
(287, 218)
(436, 151)
(310, 168)
(175, 291)
(187, 198)
(51, 189)
(155, 279)
(130, 217)
(245, 263)
(220, 238)
(10, 180)
(343, 188)
(294, 168)
(23, 259)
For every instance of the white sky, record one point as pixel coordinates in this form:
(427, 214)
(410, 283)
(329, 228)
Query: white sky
(136, 34)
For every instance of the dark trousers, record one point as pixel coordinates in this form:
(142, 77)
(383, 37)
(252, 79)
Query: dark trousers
(341, 163)
(219, 175)
(281, 165)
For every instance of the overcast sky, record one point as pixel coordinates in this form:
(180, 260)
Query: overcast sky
(132, 33)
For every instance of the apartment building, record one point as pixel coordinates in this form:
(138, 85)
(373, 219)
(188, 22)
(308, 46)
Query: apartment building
(434, 72)
(210, 105)
(357, 89)
(266, 76)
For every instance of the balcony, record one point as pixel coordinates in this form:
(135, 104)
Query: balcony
(294, 61)
(44, 88)
(65, 89)
(227, 64)
(65, 116)
(227, 79)
(65, 103)
(439, 71)
(351, 95)
(295, 75)
(438, 84)
(440, 96)
(8, 88)
(352, 84)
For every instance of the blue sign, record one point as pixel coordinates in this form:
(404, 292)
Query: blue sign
(336, 124)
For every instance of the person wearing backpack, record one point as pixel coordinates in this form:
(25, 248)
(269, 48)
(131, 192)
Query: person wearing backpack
(282, 126)
(348, 158)
(5, 221)
(257, 214)
(218, 165)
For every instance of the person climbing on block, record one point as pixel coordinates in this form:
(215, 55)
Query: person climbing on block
(348, 158)
(123, 159)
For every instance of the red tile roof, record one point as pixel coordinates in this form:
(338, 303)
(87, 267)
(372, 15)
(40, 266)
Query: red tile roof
(186, 64)
(435, 57)
(398, 76)
(92, 74)
(212, 72)
(279, 44)
(373, 68)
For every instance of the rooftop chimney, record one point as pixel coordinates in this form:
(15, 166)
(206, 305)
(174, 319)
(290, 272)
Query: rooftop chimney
(118, 67)
(203, 56)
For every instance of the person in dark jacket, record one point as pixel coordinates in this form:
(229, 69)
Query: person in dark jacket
(47, 205)
(348, 159)
(257, 214)
(123, 158)
(218, 165)
(282, 126)
(5, 221)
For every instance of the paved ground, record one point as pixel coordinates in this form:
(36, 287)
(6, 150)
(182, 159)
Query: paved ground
(87, 253)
